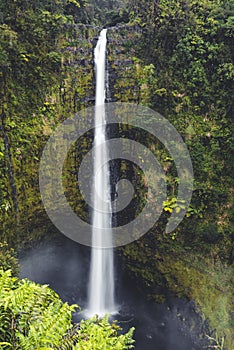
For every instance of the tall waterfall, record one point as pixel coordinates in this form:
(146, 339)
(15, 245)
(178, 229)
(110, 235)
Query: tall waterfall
(101, 285)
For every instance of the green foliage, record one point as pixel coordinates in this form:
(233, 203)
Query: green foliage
(105, 335)
(108, 13)
(39, 317)
(182, 67)
(33, 317)
(41, 84)
(8, 258)
(184, 70)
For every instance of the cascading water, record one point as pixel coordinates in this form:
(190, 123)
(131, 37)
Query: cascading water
(101, 285)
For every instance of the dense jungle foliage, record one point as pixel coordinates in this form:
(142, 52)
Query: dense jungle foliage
(174, 56)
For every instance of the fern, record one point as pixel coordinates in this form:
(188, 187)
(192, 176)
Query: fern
(33, 317)
(100, 334)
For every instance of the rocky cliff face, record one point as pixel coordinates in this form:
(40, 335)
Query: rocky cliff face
(70, 91)
(122, 68)
(78, 89)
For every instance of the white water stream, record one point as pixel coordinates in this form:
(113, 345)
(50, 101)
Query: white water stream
(101, 285)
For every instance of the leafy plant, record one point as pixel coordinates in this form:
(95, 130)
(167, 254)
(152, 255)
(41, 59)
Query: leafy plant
(8, 258)
(33, 317)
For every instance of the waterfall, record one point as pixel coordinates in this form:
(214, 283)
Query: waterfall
(101, 284)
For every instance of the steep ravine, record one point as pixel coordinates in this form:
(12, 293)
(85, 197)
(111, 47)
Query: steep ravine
(159, 264)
